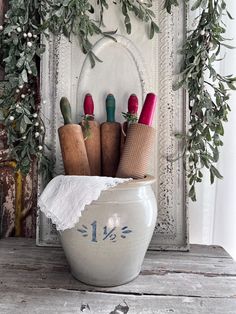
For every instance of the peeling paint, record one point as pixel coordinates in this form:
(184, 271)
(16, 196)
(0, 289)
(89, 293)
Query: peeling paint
(18, 204)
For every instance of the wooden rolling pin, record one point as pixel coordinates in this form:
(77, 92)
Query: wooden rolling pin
(110, 140)
(139, 143)
(131, 117)
(91, 132)
(72, 144)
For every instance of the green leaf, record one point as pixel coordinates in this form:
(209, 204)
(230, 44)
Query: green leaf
(231, 86)
(216, 172)
(23, 126)
(196, 5)
(212, 176)
(229, 15)
(27, 120)
(192, 193)
(220, 129)
(178, 85)
(24, 76)
(152, 31)
(2, 118)
(128, 28)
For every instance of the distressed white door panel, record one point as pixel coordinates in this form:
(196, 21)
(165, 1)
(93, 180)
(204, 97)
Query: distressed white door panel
(133, 64)
(119, 78)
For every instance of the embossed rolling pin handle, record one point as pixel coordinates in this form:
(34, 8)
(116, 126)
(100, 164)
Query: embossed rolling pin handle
(139, 143)
(72, 144)
(130, 116)
(91, 133)
(110, 140)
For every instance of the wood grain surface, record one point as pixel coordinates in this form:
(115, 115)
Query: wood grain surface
(37, 280)
(73, 150)
(110, 141)
(93, 147)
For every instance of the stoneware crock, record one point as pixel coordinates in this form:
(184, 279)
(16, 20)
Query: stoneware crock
(108, 245)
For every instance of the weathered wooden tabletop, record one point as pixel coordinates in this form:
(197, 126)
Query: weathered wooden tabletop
(37, 280)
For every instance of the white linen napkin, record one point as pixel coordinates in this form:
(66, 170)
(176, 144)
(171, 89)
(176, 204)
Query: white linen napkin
(65, 197)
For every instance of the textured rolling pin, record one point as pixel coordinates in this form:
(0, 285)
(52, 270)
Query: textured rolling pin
(73, 149)
(91, 132)
(139, 143)
(110, 140)
(131, 117)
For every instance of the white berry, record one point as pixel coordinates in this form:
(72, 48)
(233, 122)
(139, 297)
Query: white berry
(202, 32)
(17, 90)
(35, 36)
(21, 86)
(24, 35)
(1, 27)
(29, 35)
(11, 118)
(42, 128)
(36, 124)
(211, 45)
(23, 96)
(24, 137)
(19, 29)
(30, 72)
(17, 105)
(40, 147)
(6, 16)
(35, 115)
(29, 44)
(44, 102)
(36, 134)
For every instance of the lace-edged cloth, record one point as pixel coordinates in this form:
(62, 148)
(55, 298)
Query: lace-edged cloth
(65, 197)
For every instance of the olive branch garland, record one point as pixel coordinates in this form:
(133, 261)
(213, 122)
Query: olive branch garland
(208, 91)
(26, 21)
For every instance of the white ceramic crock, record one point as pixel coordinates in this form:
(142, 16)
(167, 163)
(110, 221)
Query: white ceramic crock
(108, 245)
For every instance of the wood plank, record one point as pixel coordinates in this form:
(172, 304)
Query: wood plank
(195, 249)
(173, 284)
(188, 264)
(37, 280)
(154, 263)
(47, 301)
(200, 251)
(24, 264)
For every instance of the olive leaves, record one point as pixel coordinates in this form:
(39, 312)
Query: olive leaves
(19, 108)
(208, 92)
(142, 10)
(20, 46)
(169, 3)
(26, 21)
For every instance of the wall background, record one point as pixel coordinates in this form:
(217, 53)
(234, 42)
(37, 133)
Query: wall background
(213, 216)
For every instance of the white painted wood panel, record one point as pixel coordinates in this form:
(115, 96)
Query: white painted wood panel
(132, 65)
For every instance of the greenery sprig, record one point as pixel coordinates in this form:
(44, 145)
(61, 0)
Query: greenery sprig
(20, 101)
(169, 4)
(86, 126)
(130, 117)
(26, 21)
(208, 92)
